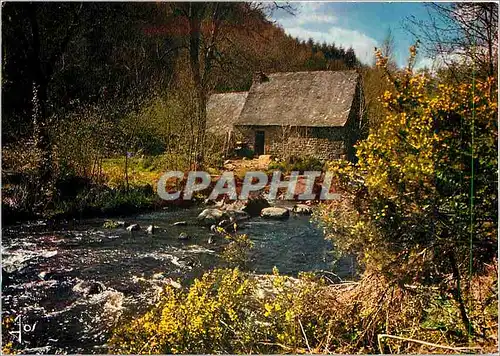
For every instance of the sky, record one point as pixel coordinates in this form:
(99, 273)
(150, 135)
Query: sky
(360, 25)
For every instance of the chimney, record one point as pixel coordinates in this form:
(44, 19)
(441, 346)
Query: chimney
(260, 77)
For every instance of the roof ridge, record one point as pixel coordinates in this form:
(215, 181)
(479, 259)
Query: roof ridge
(231, 92)
(317, 71)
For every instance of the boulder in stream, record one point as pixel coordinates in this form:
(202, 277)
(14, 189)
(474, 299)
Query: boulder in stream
(236, 215)
(89, 287)
(152, 229)
(254, 206)
(210, 216)
(133, 227)
(183, 236)
(179, 223)
(275, 213)
(302, 209)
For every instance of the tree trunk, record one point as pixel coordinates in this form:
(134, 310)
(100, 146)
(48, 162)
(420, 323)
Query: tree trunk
(43, 66)
(41, 137)
(457, 294)
(202, 126)
(126, 172)
(40, 96)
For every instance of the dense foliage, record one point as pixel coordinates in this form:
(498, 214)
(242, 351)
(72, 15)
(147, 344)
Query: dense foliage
(116, 55)
(421, 204)
(83, 82)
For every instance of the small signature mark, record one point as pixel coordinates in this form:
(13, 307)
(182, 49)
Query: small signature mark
(26, 328)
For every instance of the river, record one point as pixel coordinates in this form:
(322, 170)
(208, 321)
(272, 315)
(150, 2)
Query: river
(74, 281)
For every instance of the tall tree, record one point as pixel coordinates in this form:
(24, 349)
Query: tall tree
(461, 32)
(46, 31)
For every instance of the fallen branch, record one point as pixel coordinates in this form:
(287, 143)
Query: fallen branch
(333, 274)
(305, 336)
(380, 336)
(276, 344)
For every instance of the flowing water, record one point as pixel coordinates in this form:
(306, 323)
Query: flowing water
(70, 284)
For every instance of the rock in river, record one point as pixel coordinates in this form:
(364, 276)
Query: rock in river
(151, 229)
(302, 209)
(134, 227)
(254, 206)
(236, 215)
(210, 216)
(89, 287)
(275, 213)
(179, 223)
(183, 236)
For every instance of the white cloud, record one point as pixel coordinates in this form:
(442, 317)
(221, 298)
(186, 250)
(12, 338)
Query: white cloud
(425, 63)
(309, 6)
(314, 20)
(362, 44)
(440, 61)
(309, 19)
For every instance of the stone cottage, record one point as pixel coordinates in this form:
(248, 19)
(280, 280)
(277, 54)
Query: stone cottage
(222, 112)
(298, 113)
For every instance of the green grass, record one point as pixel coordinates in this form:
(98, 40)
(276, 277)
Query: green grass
(142, 171)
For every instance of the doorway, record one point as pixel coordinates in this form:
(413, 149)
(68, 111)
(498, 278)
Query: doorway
(259, 143)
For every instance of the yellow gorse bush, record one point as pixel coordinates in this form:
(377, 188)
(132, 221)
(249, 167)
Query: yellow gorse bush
(201, 319)
(228, 311)
(225, 311)
(401, 164)
(420, 205)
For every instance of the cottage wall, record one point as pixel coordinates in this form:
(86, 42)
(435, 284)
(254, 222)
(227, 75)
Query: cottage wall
(324, 143)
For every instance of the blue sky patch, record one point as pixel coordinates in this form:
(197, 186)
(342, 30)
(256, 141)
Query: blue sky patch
(360, 25)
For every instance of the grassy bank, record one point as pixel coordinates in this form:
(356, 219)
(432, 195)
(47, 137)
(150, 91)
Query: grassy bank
(115, 191)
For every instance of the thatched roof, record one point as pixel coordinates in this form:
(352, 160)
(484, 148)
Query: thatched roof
(223, 111)
(322, 98)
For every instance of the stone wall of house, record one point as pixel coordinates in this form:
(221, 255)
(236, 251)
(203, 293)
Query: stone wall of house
(320, 142)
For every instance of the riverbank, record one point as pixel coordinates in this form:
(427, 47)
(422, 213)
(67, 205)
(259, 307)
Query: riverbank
(92, 201)
(80, 198)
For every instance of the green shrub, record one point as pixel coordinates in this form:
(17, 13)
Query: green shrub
(147, 162)
(279, 166)
(245, 152)
(236, 252)
(99, 200)
(300, 164)
(121, 200)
